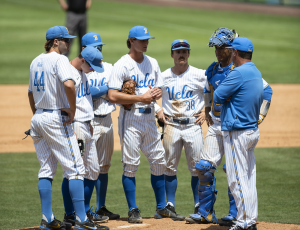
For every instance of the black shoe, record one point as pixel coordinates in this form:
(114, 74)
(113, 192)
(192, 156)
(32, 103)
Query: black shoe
(168, 212)
(90, 225)
(95, 217)
(104, 212)
(236, 227)
(54, 224)
(134, 216)
(70, 219)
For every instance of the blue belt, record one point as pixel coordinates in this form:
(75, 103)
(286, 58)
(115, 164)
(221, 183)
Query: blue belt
(146, 110)
(101, 116)
(63, 113)
(182, 122)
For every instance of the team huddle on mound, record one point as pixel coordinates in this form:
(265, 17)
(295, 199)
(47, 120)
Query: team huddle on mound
(72, 102)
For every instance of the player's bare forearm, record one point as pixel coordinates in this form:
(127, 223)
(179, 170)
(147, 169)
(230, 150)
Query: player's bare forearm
(71, 96)
(120, 98)
(63, 5)
(208, 117)
(88, 4)
(31, 102)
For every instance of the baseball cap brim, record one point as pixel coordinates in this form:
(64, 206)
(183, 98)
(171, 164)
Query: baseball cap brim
(68, 36)
(181, 48)
(99, 69)
(96, 44)
(144, 37)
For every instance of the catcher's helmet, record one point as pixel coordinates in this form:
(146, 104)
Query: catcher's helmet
(222, 36)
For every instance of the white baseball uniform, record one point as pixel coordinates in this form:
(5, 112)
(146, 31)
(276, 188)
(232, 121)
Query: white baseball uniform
(137, 126)
(102, 122)
(81, 125)
(54, 141)
(182, 99)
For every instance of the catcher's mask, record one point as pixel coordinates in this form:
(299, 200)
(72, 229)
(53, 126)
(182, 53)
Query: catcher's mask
(222, 36)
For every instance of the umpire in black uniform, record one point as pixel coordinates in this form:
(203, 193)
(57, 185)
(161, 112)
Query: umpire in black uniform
(76, 17)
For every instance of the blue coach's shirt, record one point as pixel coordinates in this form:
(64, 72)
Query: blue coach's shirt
(244, 85)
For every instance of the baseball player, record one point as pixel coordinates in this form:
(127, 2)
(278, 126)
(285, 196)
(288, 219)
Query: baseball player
(241, 94)
(102, 124)
(213, 150)
(52, 100)
(182, 102)
(137, 127)
(89, 60)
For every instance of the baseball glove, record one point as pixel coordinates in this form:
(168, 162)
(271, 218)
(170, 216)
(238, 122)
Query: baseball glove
(160, 125)
(27, 133)
(128, 87)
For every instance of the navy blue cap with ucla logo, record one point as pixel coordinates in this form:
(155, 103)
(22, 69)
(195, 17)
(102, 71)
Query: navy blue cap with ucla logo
(58, 32)
(139, 32)
(91, 39)
(241, 44)
(94, 58)
(180, 44)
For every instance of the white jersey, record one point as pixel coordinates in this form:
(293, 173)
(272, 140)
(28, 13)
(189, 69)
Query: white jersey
(145, 73)
(84, 103)
(101, 106)
(183, 94)
(47, 73)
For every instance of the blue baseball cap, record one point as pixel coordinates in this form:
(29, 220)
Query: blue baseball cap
(93, 57)
(91, 39)
(139, 32)
(58, 32)
(241, 44)
(180, 44)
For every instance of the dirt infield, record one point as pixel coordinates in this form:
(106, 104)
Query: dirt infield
(150, 223)
(280, 129)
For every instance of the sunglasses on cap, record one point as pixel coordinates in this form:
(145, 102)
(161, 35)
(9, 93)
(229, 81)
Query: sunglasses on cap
(90, 67)
(99, 47)
(67, 40)
(181, 44)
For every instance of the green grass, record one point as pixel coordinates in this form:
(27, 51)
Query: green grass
(24, 25)
(277, 185)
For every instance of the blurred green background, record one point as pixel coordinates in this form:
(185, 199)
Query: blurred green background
(24, 24)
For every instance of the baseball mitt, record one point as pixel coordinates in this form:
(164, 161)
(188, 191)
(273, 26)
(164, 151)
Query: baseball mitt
(128, 87)
(160, 125)
(27, 133)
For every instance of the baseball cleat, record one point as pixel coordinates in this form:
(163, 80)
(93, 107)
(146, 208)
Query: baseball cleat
(168, 212)
(198, 219)
(104, 212)
(89, 225)
(134, 216)
(70, 219)
(95, 217)
(236, 227)
(227, 221)
(54, 224)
